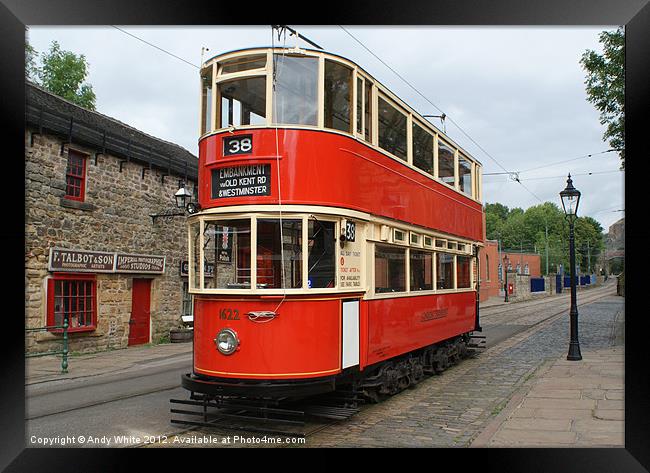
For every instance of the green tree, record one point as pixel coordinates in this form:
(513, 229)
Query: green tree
(31, 70)
(63, 72)
(605, 85)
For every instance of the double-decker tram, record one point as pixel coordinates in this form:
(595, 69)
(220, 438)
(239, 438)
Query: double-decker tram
(336, 235)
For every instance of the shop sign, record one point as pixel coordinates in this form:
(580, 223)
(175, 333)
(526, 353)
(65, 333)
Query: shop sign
(148, 264)
(62, 259)
(208, 269)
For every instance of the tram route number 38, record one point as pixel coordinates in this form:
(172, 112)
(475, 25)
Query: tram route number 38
(348, 231)
(240, 144)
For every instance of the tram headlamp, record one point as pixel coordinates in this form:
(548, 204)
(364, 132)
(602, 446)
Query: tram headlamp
(227, 341)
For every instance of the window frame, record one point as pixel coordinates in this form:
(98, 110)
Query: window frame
(51, 291)
(82, 177)
(382, 96)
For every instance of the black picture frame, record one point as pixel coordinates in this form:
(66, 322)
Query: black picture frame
(635, 14)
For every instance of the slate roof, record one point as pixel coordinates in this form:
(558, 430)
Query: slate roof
(50, 113)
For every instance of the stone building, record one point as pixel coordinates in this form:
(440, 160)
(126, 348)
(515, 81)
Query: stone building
(93, 252)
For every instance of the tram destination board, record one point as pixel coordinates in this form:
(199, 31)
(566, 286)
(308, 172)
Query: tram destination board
(241, 181)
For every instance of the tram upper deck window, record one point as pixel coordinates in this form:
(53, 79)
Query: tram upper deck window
(206, 100)
(295, 92)
(446, 171)
(422, 149)
(367, 133)
(227, 248)
(390, 269)
(322, 254)
(392, 129)
(338, 96)
(465, 175)
(274, 243)
(244, 63)
(242, 102)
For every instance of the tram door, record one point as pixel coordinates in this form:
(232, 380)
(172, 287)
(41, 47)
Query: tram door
(350, 333)
(140, 311)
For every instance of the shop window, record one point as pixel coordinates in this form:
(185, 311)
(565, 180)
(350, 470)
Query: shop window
(338, 96)
(421, 268)
(465, 175)
(390, 269)
(321, 254)
(206, 100)
(444, 271)
(422, 149)
(227, 252)
(75, 176)
(187, 306)
(275, 241)
(392, 129)
(446, 168)
(295, 93)
(72, 296)
(463, 265)
(242, 102)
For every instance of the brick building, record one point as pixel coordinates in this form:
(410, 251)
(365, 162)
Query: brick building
(93, 252)
(492, 267)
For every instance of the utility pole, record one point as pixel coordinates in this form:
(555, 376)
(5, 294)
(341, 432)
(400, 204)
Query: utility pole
(546, 232)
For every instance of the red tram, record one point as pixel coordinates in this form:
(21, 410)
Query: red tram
(336, 236)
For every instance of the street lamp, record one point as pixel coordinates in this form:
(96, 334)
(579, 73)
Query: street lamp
(182, 196)
(570, 199)
(506, 263)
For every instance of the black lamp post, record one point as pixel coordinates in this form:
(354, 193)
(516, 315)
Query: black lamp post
(570, 199)
(506, 263)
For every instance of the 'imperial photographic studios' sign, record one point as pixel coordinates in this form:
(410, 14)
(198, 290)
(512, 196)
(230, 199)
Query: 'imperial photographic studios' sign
(63, 259)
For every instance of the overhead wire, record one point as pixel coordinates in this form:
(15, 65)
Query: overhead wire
(154, 46)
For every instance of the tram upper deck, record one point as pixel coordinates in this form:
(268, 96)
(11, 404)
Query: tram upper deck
(303, 127)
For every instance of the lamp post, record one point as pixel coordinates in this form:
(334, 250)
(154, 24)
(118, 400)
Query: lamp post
(570, 199)
(506, 263)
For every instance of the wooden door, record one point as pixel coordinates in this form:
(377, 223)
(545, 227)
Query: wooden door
(140, 312)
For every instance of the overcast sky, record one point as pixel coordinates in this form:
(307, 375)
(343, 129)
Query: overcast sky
(516, 91)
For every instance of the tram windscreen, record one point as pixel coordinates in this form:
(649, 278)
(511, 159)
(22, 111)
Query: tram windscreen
(321, 258)
(295, 93)
(242, 102)
(274, 242)
(227, 251)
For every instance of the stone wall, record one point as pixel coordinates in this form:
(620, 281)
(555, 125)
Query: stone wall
(113, 217)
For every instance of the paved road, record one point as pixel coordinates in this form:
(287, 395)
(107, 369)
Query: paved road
(442, 411)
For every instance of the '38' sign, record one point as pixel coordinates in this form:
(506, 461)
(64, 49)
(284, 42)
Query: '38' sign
(240, 144)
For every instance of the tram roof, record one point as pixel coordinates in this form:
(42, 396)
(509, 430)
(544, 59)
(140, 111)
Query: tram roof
(422, 118)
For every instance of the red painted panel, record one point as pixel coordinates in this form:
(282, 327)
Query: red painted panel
(400, 325)
(140, 312)
(321, 168)
(303, 341)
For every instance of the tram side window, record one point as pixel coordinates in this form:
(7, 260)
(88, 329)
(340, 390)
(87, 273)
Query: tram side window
(422, 149)
(463, 265)
(445, 271)
(242, 102)
(465, 175)
(421, 268)
(390, 269)
(392, 129)
(446, 169)
(295, 92)
(367, 134)
(338, 96)
(227, 248)
(273, 243)
(321, 254)
(206, 100)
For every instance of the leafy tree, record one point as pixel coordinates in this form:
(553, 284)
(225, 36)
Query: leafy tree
(605, 85)
(63, 72)
(31, 70)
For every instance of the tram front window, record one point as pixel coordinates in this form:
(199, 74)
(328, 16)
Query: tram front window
(295, 92)
(321, 258)
(242, 102)
(227, 249)
(273, 243)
